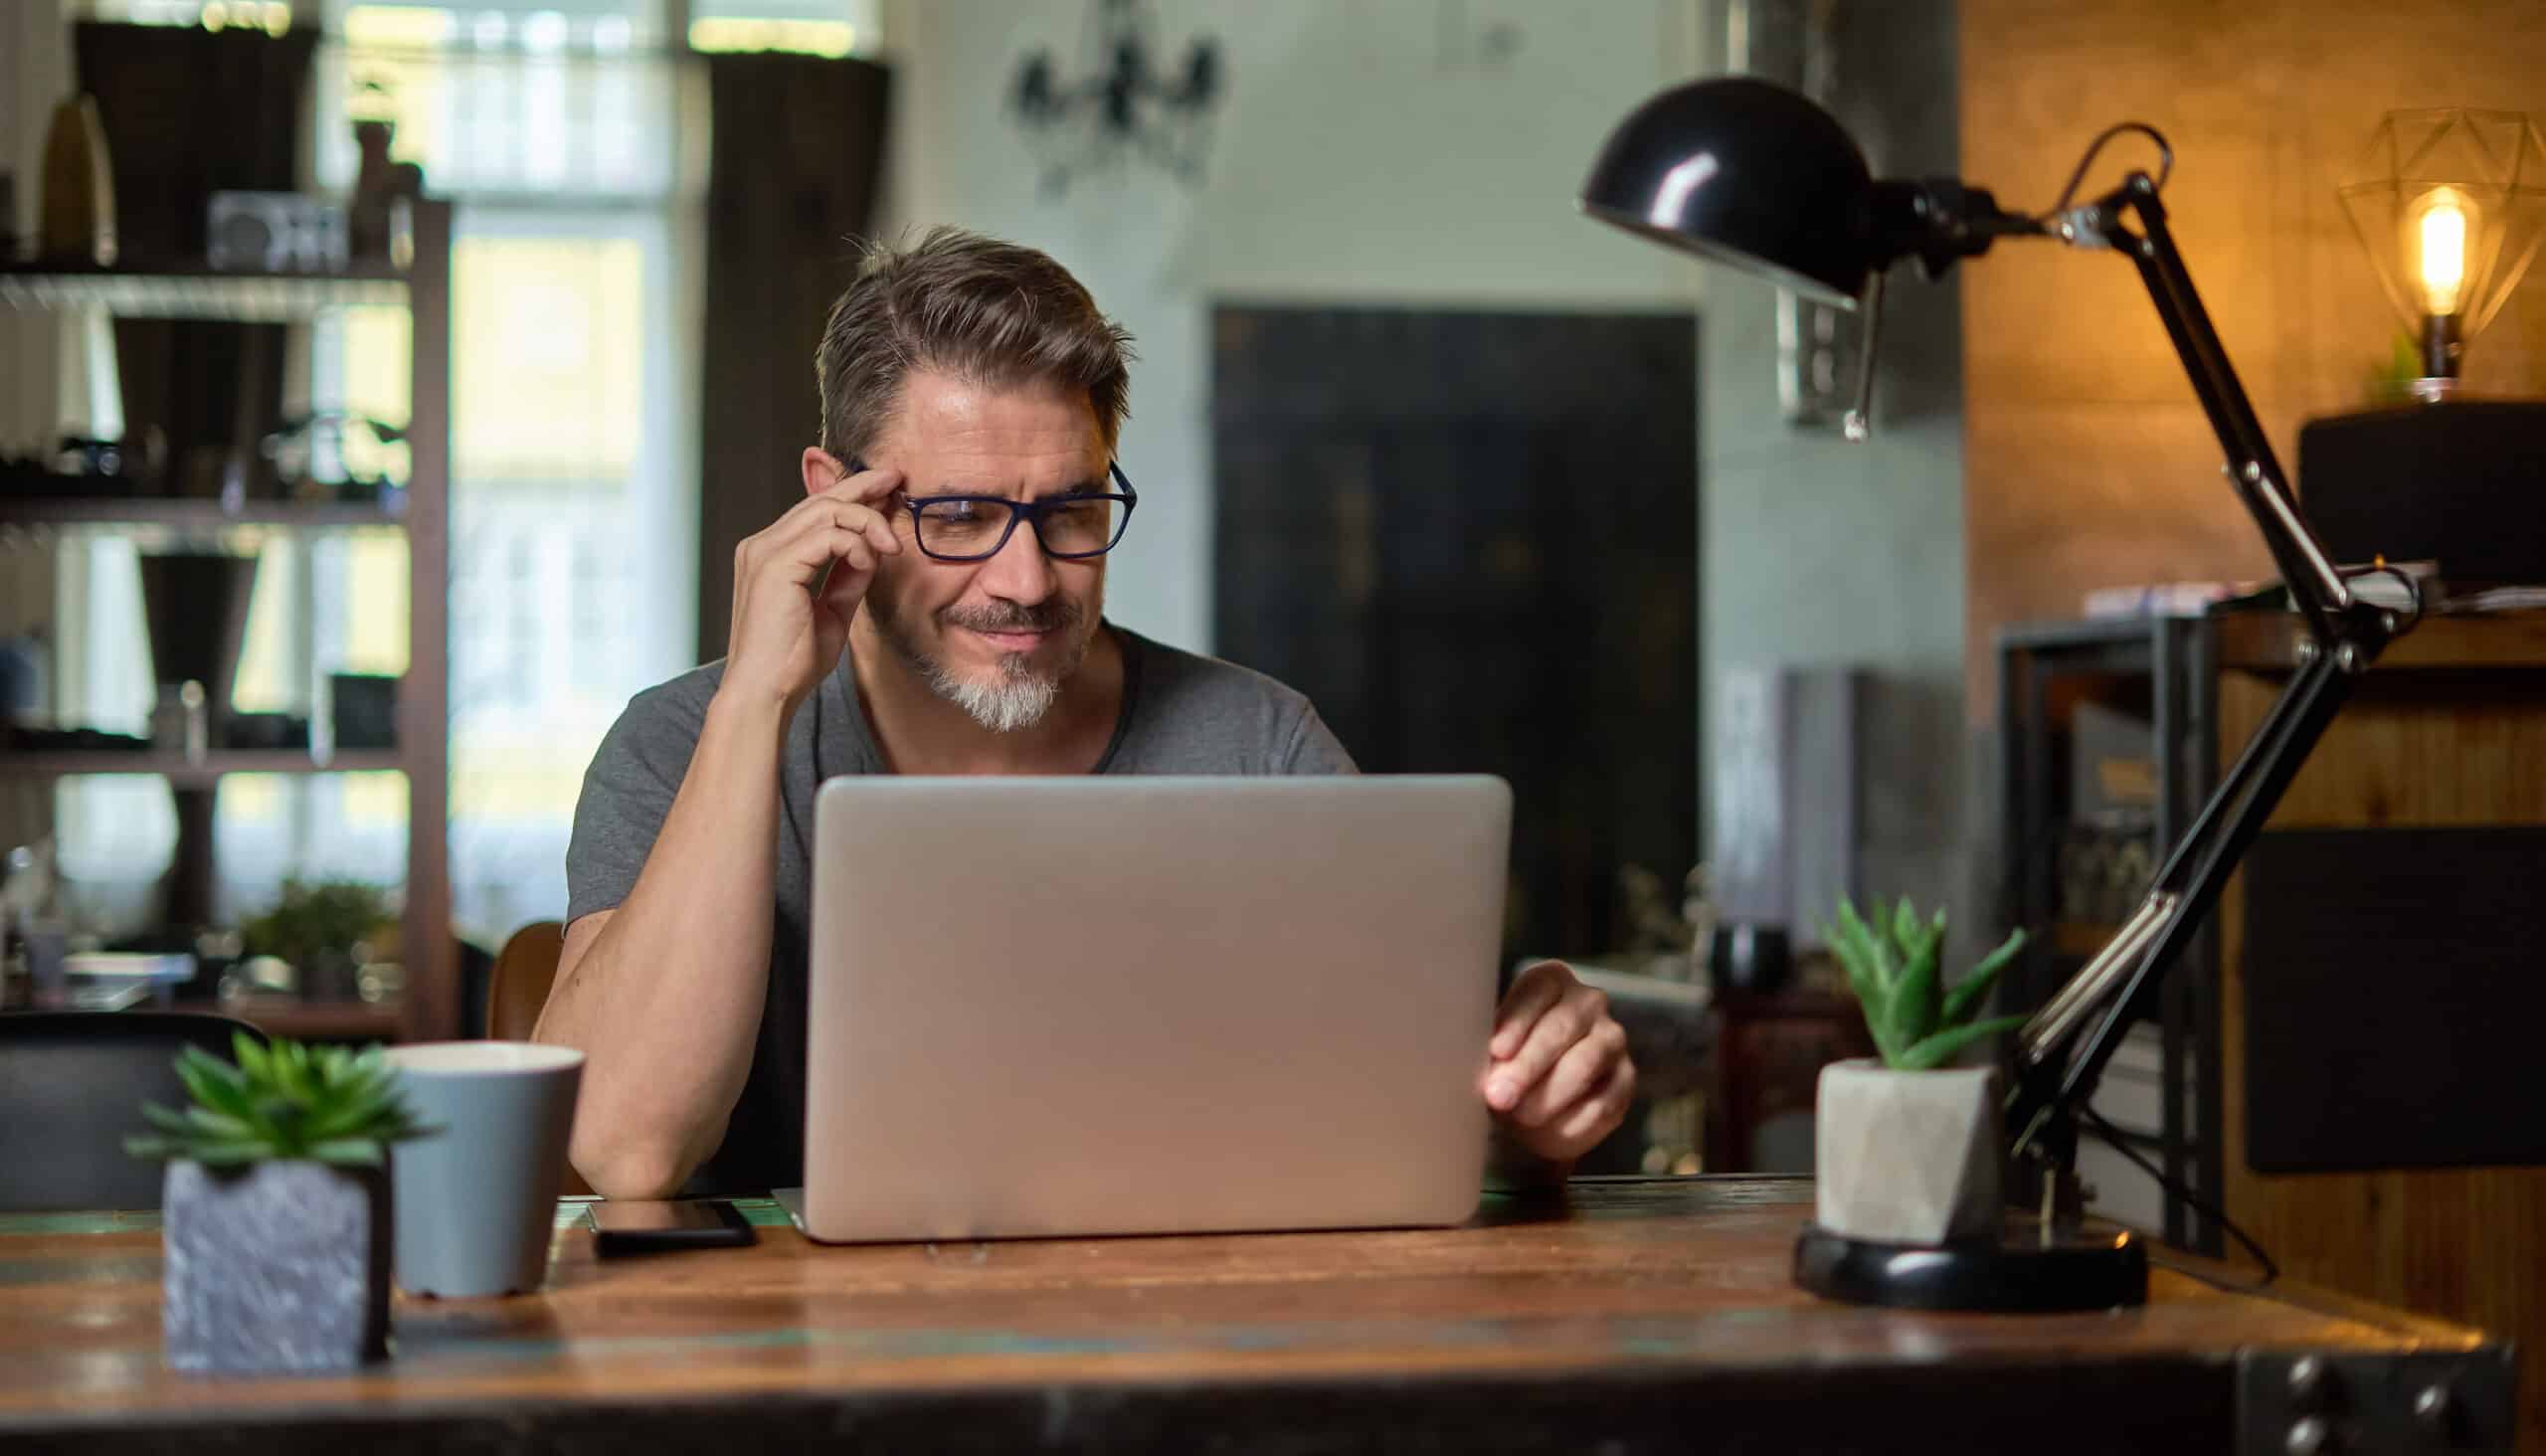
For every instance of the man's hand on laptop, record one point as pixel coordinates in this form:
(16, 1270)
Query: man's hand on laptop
(1558, 1077)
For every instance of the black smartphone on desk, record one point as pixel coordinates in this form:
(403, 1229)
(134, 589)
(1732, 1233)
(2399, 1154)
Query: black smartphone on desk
(646, 1227)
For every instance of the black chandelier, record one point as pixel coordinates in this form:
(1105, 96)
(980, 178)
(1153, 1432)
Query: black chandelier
(1122, 107)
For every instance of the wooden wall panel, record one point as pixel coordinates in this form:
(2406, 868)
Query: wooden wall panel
(2085, 462)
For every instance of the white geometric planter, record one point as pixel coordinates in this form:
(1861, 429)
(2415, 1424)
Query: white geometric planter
(279, 1267)
(1908, 1158)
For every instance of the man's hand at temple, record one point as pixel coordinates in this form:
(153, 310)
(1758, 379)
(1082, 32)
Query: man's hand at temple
(785, 638)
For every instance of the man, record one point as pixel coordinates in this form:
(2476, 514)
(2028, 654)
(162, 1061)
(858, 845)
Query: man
(935, 604)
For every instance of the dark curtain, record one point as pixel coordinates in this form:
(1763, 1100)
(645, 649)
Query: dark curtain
(797, 143)
(188, 112)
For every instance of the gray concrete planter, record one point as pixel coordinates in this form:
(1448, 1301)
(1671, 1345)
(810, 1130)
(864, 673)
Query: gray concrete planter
(282, 1266)
(1909, 1158)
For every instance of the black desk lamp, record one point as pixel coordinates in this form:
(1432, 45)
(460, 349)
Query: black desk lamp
(1751, 174)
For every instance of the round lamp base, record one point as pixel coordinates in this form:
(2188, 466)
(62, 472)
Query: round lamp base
(2021, 1273)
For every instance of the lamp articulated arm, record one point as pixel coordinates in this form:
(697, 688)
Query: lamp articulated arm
(2061, 1051)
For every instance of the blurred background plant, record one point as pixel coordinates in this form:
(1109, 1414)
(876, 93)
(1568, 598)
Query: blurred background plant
(327, 931)
(2388, 382)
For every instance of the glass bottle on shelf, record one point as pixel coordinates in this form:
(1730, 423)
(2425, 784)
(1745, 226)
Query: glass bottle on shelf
(381, 224)
(79, 187)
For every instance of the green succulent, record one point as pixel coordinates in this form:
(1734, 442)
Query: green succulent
(1893, 964)
(281, 1101)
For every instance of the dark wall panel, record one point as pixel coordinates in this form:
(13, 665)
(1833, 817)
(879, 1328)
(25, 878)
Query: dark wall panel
(2393, 998)
(1470, 538)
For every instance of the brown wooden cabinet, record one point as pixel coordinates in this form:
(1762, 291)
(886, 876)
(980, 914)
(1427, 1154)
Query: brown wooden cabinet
(2446, 734)
(430, 1006)
(2104, 732)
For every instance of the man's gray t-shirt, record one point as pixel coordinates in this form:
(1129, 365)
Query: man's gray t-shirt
(1182, 714)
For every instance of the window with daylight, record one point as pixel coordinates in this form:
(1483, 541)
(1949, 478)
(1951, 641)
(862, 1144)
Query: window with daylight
(813, 27)
(562, 130)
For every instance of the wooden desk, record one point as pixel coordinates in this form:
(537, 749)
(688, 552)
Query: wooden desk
(1651, 1315)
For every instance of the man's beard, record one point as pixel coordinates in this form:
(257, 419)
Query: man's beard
(1017, 696)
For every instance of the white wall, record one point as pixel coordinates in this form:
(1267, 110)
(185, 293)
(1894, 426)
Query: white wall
(1823, 553)
(1364, 152)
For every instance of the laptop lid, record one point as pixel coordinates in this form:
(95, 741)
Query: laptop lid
(1086, 1005)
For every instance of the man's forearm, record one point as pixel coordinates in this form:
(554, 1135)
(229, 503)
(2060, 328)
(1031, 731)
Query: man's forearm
(666, 1002)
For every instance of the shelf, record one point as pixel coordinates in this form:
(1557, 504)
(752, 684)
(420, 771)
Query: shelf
(178, 771)
(2268, 642)
(193, 512)
(193, 290)
(279, 1016)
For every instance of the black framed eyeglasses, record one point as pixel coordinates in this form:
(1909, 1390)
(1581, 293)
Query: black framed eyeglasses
(1071, 527)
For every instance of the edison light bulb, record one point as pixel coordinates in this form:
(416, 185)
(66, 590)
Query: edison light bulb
(2439, 231)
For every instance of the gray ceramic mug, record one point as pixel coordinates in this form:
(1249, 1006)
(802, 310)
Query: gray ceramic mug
(478, 1202)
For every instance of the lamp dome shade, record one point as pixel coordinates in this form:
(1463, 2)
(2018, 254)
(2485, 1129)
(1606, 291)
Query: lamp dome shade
(1747, 173)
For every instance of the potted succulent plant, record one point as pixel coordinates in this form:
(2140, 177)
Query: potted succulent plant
(276, 1206)
(1906, 1146)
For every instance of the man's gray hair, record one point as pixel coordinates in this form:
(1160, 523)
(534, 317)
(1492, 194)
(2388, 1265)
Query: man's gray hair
(987, 313)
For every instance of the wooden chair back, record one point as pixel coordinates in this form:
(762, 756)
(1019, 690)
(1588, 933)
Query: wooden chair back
(518, 989)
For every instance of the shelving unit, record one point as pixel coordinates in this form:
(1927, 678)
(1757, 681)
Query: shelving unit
(190, 291)
(178, 770)
(279, 1016)
(191, 514)
(2161, 671)
(197, 291)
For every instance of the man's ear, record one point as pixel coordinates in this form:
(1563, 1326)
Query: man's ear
(822, 473)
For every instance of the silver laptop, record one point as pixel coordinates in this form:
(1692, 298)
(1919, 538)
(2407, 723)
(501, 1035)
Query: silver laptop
(1100, 1005)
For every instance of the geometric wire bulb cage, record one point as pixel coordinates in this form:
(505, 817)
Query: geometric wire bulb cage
(2450, 203)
